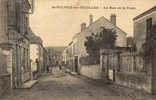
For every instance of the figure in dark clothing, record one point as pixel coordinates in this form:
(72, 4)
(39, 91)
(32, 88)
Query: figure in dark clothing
(37, 63)
(47, 68)
(57, 63)
(60, 66)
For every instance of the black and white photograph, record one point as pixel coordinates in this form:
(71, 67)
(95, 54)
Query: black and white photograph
(77, 49)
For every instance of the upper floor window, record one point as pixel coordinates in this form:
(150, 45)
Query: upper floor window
(148, 27)
(18, 12)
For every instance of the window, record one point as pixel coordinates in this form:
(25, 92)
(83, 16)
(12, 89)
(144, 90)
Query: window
(148, 27)
(18, 12)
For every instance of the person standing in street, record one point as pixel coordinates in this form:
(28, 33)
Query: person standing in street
(37, 63)
(60, 66)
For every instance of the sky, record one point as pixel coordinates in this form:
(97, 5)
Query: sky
(57, 26)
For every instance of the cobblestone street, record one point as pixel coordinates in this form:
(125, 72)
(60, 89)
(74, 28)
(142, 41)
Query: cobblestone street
(65, 86)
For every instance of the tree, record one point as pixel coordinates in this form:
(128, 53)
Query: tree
(149, 46)
(105, 39)
(131, 43)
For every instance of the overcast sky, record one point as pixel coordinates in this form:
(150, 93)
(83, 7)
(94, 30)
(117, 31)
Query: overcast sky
(56, 27)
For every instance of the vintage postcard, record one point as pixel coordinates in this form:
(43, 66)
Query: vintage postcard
(77, 49)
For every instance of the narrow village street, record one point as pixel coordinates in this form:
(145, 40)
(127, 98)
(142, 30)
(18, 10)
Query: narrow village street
(49, 52)
(64, 86)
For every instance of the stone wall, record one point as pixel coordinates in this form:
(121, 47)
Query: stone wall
(70, 65)
(132, 70)
(133, 80)
(133, 73)
(91, 71)
(130, 62)
(5, 77)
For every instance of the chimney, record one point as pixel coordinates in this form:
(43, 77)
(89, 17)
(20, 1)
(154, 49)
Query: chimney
(90, 19)
(83, 26)
(113, 19)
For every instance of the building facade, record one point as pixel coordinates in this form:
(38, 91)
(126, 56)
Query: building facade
(37, 55)
(15, 39)
(77, 45)
(18, 40)
(55, 54)
(142, 33)
(142, 26)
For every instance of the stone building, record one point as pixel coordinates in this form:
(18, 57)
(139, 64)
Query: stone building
(37, 54)
(77, 44)
(68, 56)
(15, 39)
(64, 56)
(142, 26)
(134, 69)
(142, 29)
(55, 54)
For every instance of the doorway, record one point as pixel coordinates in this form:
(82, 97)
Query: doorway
(76, 63)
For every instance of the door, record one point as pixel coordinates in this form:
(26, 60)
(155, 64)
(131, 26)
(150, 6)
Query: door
(8, 53)
(76, 63)
(112, 65)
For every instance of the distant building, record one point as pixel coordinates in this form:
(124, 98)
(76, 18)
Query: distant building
(64, 55)
(55, 54)
(142, 26)
(77, 45)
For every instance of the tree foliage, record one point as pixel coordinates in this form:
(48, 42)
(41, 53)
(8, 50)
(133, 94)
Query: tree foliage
(149, 46)
(131, 43)
(105, 39)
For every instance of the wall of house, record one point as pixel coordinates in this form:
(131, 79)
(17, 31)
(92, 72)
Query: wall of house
(5, 85)
(33, 56)
(140, 28)
(5, 78)
(121, 39)
(131, 63)
(152, 69)
(91, 71)
(130, 71)
(95, 28)
(3, 20)
(140, 38)
(134, 80)
(17, 23)
(78, 48)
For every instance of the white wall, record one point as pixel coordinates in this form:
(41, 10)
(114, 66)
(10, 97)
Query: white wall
(34, 51)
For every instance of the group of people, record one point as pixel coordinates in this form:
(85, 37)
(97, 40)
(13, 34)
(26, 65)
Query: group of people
(50, 66)
(57, 64)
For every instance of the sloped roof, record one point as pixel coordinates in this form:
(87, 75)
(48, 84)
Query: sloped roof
(100, 20)
(145, 13)
(34, 38)
(57, 48)
(105, 19)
